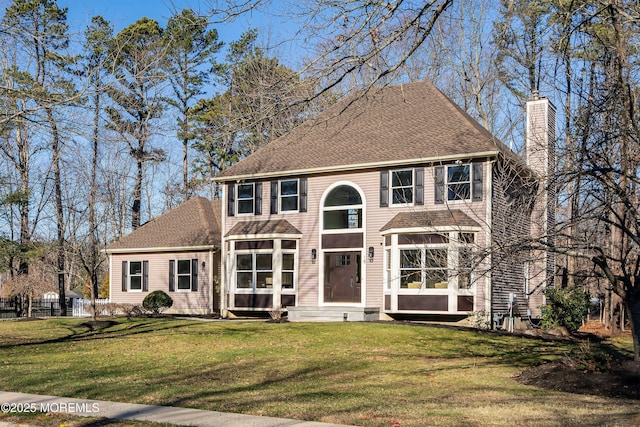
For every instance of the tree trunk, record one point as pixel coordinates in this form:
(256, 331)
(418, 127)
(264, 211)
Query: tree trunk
(93, 241)
(185, 169)
(55, 154)
(137, 196)
(23, 169)
(632, 304)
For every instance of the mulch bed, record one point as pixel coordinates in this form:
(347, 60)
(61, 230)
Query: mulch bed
(621, 380)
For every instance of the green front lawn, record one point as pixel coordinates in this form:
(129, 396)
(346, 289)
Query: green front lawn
(369, 374)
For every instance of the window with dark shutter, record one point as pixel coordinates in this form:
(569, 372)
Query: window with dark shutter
(384, 189)
(439, 184)
(477, 182)
(172, 273)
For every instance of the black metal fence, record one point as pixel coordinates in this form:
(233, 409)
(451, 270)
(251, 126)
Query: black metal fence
(14, 307)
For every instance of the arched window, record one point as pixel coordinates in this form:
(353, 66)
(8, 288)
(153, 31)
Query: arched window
(342, 209)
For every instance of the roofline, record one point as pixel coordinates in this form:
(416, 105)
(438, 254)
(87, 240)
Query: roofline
(430, 229)
(344, 168)
(161, 249)
(285, 236)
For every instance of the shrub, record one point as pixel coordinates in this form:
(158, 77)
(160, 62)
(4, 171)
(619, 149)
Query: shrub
(480, 320)
(131, 310)
(157, 301)
(565, 307)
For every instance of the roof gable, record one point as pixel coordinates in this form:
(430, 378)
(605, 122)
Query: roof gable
(195, 223)
(411, 122)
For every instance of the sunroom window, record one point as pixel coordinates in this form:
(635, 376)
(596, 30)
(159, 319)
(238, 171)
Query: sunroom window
(423, 268)
(254, 271)
(288, 270)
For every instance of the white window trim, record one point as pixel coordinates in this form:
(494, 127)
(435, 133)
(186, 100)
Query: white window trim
(293, 252)
(176, 275)
(423, 251)
(360, 206)
(280, 196)
(129, 276)
(452, 248)
(413, 187)
(254, 271)
(238, 199)
(447, 183)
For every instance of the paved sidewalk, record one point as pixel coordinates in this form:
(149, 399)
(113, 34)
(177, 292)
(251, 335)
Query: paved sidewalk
(130, 411)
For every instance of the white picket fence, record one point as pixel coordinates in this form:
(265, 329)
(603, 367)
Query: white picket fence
(82, 307)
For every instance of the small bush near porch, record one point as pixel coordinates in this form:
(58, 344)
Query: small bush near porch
(367, 374)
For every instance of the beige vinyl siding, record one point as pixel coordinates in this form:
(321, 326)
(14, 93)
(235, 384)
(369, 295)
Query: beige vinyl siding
(310, 275)
(198, 302)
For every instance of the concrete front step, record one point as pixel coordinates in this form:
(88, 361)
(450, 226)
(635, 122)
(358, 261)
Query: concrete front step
(333, 314)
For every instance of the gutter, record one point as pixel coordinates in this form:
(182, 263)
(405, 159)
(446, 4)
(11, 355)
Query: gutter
(346, 168)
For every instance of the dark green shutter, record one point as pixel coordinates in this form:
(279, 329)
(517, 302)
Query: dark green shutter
(439, 184)
(477, 182)
(257, 198)
(274, 197)
(419, 186)
(145, 276)
(231, 197)
(125, 267)
(172, 275)
(384, 189)
(194, 275)
(303, 195)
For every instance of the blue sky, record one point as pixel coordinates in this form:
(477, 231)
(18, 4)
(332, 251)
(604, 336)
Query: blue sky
(122, 13)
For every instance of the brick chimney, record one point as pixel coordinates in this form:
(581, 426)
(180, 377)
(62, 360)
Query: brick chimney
(541, 158)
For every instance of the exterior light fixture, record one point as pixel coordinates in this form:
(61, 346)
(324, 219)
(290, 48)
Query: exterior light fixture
(371, 253)
(314, 255)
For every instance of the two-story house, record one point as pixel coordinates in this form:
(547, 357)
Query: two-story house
(391, 203)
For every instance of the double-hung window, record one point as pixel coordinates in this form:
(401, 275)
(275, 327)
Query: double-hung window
(183, 275)
(289, 195)
(458, 182)
(246, 198)
(135, 276)
(254, 270)
(465, 267)
(402, 187)
(288, 270)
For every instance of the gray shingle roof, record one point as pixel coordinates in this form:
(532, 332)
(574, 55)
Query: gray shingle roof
(424, 219)
(280, 226)
(392, 125)
(194, 223)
